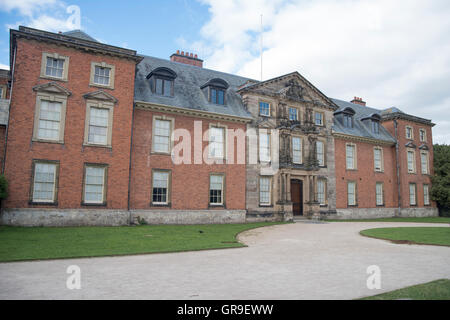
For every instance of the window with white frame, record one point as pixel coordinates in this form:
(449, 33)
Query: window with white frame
(265, 191)
(351, 193)
(49, 120)
(318, 118)
(216, 189)
(217, 142)
(321, 190)
(160, 187)
(264, 147)
(102, 75)
(378, 159)
(411, 162)
(424, 162)
(264, 109)
(379, 194)
(98, 126)
(54, 67)
(412, 194)
(293, 114)
(44, 182)
(320, 153)
(94, 184)
(350, 156)
(409, 133)
(426, 194)
(161, 138)
(423, 135)
(297, 150)
(2, 91)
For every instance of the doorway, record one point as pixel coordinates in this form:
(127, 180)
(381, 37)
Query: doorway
(297, 197)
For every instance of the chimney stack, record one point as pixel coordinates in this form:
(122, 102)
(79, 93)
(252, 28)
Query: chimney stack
(187, 58)
(357, 100)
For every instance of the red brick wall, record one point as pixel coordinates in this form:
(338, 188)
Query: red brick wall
(72, 155)
(190, 183)
(417, 177)
(4, 84)
(365, 175)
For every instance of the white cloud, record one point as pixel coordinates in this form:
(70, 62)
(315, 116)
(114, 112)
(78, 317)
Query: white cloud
(4, 66)
(49, 15)
(391, 53)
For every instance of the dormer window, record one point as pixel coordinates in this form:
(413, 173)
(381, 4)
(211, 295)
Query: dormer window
(162, 81)
(348, 121)
(215, 91)
(375, 127)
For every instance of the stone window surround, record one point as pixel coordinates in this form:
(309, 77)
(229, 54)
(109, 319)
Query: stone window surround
(382, 158)
(55, 55)
(40, 96)
(323, 118)
(424, 135)
(111, 75)
(428, 162)
(382, 194)
(325, 181)
(356, 193)
(412, 133)
(168, 203)
(270, 204)
(302, 154)
(325, 158)
(105, 184)
(4, 88)
(415, 194)
(171, 141)
(429, 202)
(265, 131)
(270, 108)
(225, 140)
(414, 170)
(297, 111)
(355, 156)
(55, 195)
(100, 105)
(217, 205)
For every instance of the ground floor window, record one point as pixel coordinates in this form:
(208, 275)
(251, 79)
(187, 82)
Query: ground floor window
(160, 189)
(94, 184)
(426, 194)
(44, 182)
(351, 193)
(264, 191)
(321, 187)
(379, 194)
(412, 194)
(216, 189)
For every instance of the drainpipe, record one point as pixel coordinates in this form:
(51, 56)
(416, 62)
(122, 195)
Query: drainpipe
(398, 168)
(9, 110)
(129, 167)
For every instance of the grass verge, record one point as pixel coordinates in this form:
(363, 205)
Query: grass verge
(418, 220)
(412, 235)
(435, 290)
(18, 244)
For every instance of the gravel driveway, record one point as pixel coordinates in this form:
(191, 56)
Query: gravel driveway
(295, 261)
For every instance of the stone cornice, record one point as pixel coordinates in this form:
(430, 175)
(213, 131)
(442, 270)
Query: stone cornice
(407, 117)
(362, 139)
(190, 112)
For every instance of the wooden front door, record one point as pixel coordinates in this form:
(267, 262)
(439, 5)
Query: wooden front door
(297, 197)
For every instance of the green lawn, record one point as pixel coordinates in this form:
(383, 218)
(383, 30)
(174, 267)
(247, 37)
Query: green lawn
(52, 243)
(435, 290)
(420, 220)
(415, 235)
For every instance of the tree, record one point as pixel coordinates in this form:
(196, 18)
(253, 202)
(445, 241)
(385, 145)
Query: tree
(440, 191)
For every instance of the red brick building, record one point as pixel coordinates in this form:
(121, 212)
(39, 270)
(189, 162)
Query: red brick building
(99, 135)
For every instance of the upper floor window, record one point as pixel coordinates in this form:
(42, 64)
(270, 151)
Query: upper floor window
(424, 162)
(49, 120)
(297, 150)
(318, 118)
(350, 156)
(320, 153)
(411, 162)
(264, 109)
(409, 133)
(98, 126)
(217, 95)
(162, 131)
(162, 81)
(293, 114)
(54, 66)
(102, 75)
(217, 142)
(264, 147)
(378, 159)
(423, 135)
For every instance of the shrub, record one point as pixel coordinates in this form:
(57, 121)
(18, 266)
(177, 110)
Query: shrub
(3, 187)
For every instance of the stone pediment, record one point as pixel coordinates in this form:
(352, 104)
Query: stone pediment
(53, 88)
(265, 123)
(100, 95)
(424, 147)
(410, 145)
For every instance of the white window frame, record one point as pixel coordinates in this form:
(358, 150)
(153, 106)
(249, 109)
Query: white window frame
(322, 118)
(422, 130)
(347, 156)
(426, 195)
(259, 109)
(299, 151)
(381, 160)
(262, 155)
(171, 128)
(379, 193)
(54, 55)
(212, 143)
(412, 169)
(40, 97)
(320, 159)
(351, 202)
(112, 72)
(168, 187)
(269, 179)
(104, 185)
(413, 194)
(221, 203)
(55, 181)
(425, 169)
(99, 105)
(324, 191)
(409, 129)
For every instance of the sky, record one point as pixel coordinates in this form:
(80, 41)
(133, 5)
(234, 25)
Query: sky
(390, 53)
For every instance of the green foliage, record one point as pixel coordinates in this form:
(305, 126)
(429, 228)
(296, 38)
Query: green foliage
(440, 191)
(3, 187)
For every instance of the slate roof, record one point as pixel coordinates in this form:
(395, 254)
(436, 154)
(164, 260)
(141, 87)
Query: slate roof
(360, 128)
(187, 88)
(79, 34)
